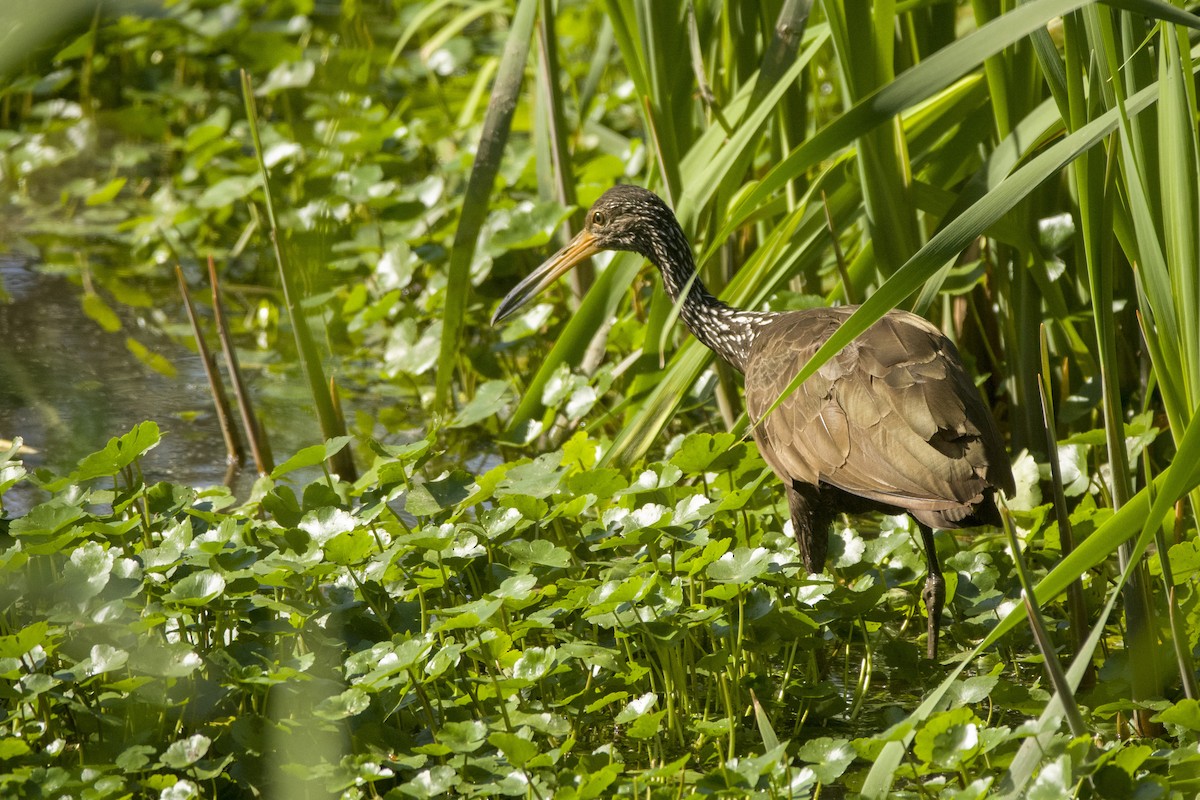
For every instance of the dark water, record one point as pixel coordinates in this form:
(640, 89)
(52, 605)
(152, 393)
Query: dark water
(67, 386)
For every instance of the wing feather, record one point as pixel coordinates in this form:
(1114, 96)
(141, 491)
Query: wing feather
(893, 417)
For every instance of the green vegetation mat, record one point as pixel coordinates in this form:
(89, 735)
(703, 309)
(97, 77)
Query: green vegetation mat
(561, 570)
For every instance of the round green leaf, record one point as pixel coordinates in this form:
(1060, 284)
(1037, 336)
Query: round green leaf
(740, 566)
(186, 752)
(106, 658)
(87, 572)
(948, 739)
(429, 783)
(197, 589)
(516, 749)
(311, 456)
(349, 703)
(463, 737)
(827, 756)
(12, 747)
(348, 548)
(538, 551)
(534, 663)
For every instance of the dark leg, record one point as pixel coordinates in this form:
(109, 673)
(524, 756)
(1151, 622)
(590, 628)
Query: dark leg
(810, 524)
(935, 589)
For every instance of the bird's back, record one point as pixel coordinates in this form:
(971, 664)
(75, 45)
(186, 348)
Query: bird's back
(892, 418)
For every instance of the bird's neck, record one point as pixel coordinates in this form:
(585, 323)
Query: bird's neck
(729, 332)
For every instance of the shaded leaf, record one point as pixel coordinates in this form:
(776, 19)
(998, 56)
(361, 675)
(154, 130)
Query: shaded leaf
(516, 749)
(463, 737)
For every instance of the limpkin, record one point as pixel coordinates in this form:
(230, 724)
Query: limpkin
(892, 423)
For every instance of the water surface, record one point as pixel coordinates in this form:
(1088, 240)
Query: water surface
(67, 386)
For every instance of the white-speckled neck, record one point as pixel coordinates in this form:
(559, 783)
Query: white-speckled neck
(727, 331)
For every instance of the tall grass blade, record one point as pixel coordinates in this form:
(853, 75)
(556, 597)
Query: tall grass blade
(864, 39)
(341, 462)
(496, 125)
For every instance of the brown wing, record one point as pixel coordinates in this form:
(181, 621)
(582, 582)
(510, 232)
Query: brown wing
(893, 417)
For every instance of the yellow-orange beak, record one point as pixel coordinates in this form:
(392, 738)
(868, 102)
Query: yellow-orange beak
(581, 247)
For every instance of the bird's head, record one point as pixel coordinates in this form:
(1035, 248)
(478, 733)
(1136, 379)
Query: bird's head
(627, 218)
(624, 218)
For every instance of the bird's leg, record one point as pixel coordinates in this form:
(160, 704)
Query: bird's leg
(935, 589)
(810, 524)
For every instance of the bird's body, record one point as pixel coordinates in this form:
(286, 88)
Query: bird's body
(891, 423)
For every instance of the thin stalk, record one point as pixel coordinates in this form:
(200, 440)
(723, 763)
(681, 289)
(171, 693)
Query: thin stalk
(496, 125)
(260, 447)
(234, 453)
(343, 461)
(1175, 619)
(848, 290)
(583, 276)
(1076, 608)
(705, 91)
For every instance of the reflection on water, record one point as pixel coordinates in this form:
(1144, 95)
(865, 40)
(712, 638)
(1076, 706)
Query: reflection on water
(66, 387)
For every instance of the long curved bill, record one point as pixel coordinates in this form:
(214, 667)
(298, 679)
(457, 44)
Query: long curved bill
(581, 247)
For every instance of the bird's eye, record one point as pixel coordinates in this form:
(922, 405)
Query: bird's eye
(600, 219)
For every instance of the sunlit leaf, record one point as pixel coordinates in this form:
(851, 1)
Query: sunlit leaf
(311, 456)
(538, 478)
(106, 658)
(827, 757)
(186, 752)
(349, 547)
(105, 193)
(470, 615)
(119, 453)
(529, 225)
(430, 783)
(948, 739)
(101, 313)
(20, 643)
(701, 452)
(487, 402)
(349, 703)
(46, 519)
(209, 129)
(228, 191)
(87, 572)
(534, 663)
(637, 707)
(646, 726)
(12, 747)
(740, 566)
(197, 589)
(1185, 713)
